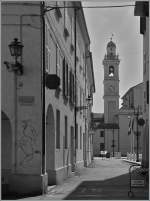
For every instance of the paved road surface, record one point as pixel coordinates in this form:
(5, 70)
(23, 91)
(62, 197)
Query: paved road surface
(107, 179)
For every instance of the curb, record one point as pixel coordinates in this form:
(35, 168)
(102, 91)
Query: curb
(132, 162)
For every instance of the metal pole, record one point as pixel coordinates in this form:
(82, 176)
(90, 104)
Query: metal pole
(137, 114)
(104, 140)
(113, 142)
(118, 141)
(85, 153)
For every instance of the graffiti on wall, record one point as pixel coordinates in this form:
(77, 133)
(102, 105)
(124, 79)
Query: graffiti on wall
(28, 143)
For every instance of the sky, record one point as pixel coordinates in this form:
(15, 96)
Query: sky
(125, 27)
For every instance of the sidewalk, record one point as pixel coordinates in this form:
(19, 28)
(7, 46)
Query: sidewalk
(107, 179)
(132, 162)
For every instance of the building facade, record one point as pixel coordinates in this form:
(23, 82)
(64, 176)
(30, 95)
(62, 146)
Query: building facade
(46, 128)
(132, 101)
(99, 133)
(142, 10)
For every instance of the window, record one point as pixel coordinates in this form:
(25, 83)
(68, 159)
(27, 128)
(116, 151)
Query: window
(111, 71)
(80, 137)
(57, 129)
(83, 103)
(81, 99)
(144, 62)
(72, 34)
(80, 69)
(67, 86)
(47, 59)
(66, 22)
(147, 91)
(47, 50)
(101, 133)
(102, 147)
(65, 79)
(59, 64)
(76, 137)
(77, 93)
(71, 87)
(66, 132)
(58, 11)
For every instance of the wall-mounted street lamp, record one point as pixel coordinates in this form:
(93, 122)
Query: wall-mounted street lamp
(15, 48)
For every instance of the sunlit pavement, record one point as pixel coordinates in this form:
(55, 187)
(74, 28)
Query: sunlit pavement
(106, 179)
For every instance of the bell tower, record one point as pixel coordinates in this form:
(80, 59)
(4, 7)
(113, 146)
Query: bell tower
(111, 83)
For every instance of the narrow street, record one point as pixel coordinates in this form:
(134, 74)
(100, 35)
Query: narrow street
(106, 179)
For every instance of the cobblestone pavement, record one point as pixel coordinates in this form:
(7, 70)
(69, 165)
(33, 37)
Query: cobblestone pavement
(105, 179)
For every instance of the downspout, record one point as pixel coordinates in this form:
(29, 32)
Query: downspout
(75, 67)
(85, 154)
(43, 90)
(104, 139)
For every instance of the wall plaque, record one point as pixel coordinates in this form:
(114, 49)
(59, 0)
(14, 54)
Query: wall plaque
(26, 100)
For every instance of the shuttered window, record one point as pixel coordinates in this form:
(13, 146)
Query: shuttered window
(65, 79)
(57, 129)
(66, 132)
(147, 90)
(71, 87)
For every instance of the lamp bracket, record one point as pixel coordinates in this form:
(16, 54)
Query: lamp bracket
(16, 67)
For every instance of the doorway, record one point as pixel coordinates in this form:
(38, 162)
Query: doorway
(50, 145)
(72, 149)
(6, 155)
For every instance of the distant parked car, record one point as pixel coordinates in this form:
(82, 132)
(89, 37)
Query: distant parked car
(103, 153)
(107, 155)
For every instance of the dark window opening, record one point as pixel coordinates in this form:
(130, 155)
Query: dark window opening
(66, 132)
(57, 129)
(76, 137)
(111, 71)
(147, 90)
(101, 133)
(102, 147)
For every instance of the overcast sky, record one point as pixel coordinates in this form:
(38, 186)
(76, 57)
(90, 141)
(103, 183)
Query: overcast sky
(101, 23)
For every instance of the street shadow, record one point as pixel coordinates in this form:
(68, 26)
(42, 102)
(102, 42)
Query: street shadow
(15, 196)
(110, 189)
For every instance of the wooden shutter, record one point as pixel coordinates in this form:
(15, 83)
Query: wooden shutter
(70, 86)
(64, 86)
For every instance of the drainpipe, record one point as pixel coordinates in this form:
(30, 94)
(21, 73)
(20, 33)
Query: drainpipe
(85, 154)
(75, 67)
(43, 90)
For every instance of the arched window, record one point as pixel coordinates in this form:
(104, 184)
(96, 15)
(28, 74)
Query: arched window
(111, 71)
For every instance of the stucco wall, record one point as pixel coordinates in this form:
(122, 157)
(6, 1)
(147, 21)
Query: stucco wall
(125, 143)
(21, 95)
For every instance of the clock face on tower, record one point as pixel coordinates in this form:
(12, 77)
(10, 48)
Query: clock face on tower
(111, 89)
